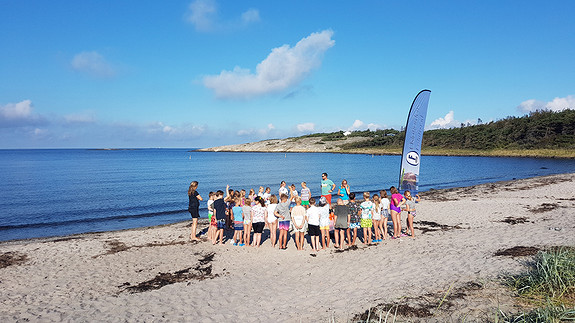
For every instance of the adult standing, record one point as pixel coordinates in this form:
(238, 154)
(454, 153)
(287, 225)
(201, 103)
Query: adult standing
(344, 192)
(194, 199)
(327, 187)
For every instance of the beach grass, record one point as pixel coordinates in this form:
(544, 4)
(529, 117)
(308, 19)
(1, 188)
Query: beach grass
(542, 314)
(549, 284)
(550, 279)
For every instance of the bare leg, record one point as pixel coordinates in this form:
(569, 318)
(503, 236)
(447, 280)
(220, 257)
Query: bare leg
(193, 235)
(336, 236)
(348, 237)
(410, 225)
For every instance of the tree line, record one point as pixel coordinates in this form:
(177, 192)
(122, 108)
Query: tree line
(540, 129)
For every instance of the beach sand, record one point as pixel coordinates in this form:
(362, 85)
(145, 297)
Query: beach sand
(449, 272)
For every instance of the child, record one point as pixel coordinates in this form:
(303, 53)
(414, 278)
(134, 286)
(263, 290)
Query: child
(272, 220)
(376, 219)
(242, 197)
(397, 201)
(293, 194)
(298, 217)
(247, 213)
(312, 218)
(283, 189)
(341, 213)
(259, 215)
(324, 221)
(354, 217)
(366, 216)
(267, 195)
(260, 192)
(211, 231)
(384, 210)
(194, 199)
(252, 197)
(282, 212)
(410, 208)
(237, 215)
(305, 195)
(220, 215)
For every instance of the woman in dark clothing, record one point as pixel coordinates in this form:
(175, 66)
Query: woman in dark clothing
(194, 208)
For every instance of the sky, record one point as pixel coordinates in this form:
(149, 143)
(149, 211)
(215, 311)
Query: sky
(202, 73)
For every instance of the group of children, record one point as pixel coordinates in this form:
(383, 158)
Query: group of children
(347, 218)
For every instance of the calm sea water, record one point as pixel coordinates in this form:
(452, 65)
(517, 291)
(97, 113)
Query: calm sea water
(61, 192)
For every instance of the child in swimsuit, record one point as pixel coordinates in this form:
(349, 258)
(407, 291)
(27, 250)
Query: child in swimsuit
(410, 208)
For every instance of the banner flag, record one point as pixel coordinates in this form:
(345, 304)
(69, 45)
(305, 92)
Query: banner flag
(411, 155)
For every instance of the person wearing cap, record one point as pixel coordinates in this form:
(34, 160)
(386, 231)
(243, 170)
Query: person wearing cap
(327, 187)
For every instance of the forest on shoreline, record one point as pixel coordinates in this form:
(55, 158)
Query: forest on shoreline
(538, 134)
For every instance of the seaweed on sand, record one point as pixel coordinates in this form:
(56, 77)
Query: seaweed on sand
(203, 270)
(430, 226)
(12, 258)
(517, 251)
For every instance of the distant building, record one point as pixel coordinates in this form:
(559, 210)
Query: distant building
(347, 133)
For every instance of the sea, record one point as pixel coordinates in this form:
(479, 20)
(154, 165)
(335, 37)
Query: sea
(59, 192)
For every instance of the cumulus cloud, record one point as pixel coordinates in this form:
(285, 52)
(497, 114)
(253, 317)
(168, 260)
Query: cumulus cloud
(306, 127)
(360, 125)
(449, 121)
(92, 63)
(446, 122)
(558, 104)
(19, 114)
(284, 67)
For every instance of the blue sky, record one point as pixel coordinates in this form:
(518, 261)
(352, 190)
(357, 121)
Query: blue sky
(113, 74)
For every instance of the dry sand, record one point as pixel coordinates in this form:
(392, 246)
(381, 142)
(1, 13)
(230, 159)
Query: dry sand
(155, 274)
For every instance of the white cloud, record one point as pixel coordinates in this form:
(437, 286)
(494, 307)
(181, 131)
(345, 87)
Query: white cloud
(202, 14)
(251, 15)
(446, 122)
(373, 126)
(558, 104)
(284, 67)
(449, 121)
(19, 114)
(306, 127)
(360, 125)
(357, 125)
(20, 110)
(92, 63)
(257, 133)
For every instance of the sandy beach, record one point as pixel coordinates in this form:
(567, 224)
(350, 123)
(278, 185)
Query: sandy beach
(450, 271)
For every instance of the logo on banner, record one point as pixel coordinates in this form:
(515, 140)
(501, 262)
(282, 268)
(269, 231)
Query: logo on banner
(412, 158)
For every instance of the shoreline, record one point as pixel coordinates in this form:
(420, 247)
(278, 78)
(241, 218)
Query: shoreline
(541, 153)
(203, 220)
(118, 275)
